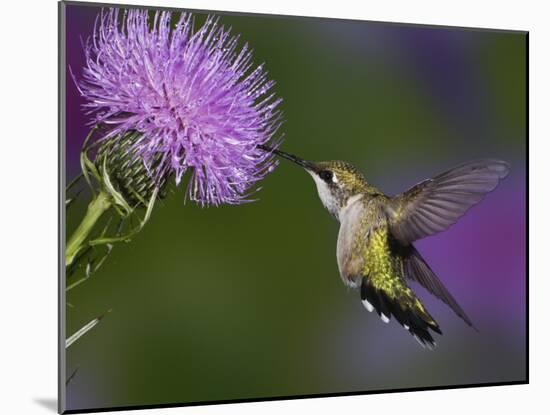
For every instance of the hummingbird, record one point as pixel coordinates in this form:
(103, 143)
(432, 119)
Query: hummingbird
(375, 250)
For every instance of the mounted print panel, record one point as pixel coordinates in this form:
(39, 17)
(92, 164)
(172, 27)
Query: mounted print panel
(261, 207)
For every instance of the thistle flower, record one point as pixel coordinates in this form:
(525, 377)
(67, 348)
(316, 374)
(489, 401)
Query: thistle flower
(129, 176)
(193, 98)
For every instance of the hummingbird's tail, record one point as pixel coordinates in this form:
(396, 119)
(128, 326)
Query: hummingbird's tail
(400, 302)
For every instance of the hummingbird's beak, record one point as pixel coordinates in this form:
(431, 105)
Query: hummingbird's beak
(300, 162)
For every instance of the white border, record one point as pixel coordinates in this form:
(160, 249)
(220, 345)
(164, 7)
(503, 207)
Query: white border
(28, 215)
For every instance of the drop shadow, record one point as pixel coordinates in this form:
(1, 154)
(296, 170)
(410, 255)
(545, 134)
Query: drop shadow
(48, 403)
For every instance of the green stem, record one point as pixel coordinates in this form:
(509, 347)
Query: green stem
(96, 208)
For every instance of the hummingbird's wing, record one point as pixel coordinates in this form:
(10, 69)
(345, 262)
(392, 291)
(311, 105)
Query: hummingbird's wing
(418, 270)
(435, 204)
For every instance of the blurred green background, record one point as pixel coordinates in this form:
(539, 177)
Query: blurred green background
(246, 301)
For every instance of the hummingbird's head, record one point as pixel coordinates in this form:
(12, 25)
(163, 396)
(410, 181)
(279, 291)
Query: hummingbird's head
(336, 181)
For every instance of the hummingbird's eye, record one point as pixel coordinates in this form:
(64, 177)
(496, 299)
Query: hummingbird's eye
(326, 175)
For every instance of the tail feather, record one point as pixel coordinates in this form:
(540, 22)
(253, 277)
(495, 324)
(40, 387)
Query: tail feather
(405, 307)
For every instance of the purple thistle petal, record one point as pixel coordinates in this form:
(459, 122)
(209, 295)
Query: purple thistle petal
(192, 94)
